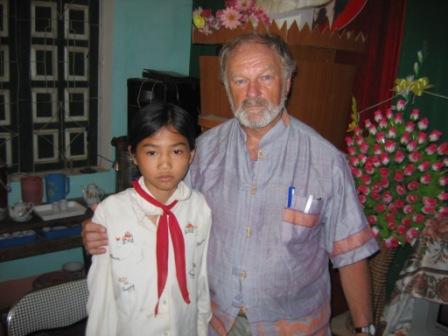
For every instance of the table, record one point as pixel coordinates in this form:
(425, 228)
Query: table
(425, 276)
(41, 244)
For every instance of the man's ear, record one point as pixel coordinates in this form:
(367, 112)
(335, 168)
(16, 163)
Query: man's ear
(288, 86)
(132, 156)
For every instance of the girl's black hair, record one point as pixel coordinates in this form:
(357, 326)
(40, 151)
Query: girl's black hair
(151, 118)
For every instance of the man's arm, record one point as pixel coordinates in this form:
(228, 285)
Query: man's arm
(355, 280)
(94, 237)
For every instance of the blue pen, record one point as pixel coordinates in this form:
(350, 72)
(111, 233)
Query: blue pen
(291, 191)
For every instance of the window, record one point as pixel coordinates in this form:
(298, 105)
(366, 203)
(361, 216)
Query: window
(48, 83)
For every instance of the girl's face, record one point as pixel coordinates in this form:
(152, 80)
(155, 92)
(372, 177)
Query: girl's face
(163, 160)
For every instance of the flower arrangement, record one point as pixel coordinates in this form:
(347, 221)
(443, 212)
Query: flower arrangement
(399, 167)
(236, 13)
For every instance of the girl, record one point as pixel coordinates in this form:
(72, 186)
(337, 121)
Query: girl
(153, 278)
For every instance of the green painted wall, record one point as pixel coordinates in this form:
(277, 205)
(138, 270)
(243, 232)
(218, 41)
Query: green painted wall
(146, 34)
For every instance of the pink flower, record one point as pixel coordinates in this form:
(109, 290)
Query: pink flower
(368, 167)
(398, 118)
(424, 166)
(423, 124)
(376, 188)
(411, 146)
(435, 135)
(364, 148)
(377, 149)
(372, 130)
(412, 233)
(400, 189)
(380, 207)
(351, 150)
(387, 197)
(375, 195)
(380, 138)
(401, 103)
(436, 166)
(357, 131)
(409, 169)
(411, 198)
(363, 189)
(230, 18)
(372, 219)
(390, 146)
(443, 211)
(407, 209)
(443, 196)
(366, 179)
(375, 231)
(389, 113)
(418, 218)
(358, 139)
(399, 176)
(415, 156)
(425, 179)
(354, 161)
(368, 123)
(421, 139)
(413, 185)
(244, 5)
(445, 162)
(410, 126)
(356, 172)
(401, 229)
(384, 183)
(392, 133)
(362, 198)
(382, 123)
(384, 158)
(399, 156)
(406, 221)
(428, 209)
(376, 161)
(384, 172)
(443, 149)
(405, 138)
(377, 115)
(391, 242)
(415, 114)
(362, 158)
(398, 204)
(391, 224)
(349, 140)
(443, 181)
(431, 149)
(429, 201)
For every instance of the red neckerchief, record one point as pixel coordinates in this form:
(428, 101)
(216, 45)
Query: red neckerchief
(167, 221)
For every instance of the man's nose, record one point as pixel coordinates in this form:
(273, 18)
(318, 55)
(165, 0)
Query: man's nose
(253, 89)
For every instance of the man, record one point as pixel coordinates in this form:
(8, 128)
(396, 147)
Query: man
(283, 204)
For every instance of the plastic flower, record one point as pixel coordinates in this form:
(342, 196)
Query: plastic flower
(401, 179)
(235, 14)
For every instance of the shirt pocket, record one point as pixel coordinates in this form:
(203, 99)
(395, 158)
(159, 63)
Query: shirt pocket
(300, 221)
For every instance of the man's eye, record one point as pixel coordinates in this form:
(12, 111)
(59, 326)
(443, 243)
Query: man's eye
(239, 82)
(266, 77)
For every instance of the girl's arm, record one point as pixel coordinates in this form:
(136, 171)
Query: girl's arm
(101, 306)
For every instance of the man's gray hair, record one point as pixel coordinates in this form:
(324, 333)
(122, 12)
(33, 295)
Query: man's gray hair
(273, 41)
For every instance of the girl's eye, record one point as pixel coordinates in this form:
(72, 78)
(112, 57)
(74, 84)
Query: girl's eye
(178, 151)
(151, 153)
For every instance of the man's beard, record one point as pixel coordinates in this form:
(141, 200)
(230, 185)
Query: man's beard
(264, 116)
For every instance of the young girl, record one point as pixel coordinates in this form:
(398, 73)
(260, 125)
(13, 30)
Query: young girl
(153, 278)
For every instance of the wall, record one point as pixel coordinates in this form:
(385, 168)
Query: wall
(135, 35)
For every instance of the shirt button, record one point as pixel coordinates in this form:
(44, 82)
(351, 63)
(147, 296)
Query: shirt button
(249, 232)
(260, 155)
(253, 189)
(164, 302)
(243, 275)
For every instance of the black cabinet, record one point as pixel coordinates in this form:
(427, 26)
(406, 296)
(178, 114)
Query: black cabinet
(163, 86)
